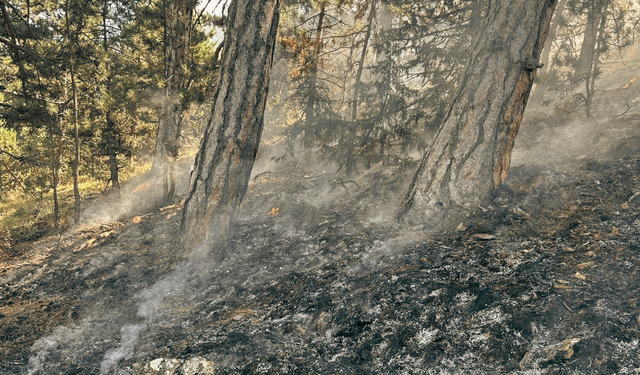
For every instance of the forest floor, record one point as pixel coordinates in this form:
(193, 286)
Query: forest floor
(320, 279)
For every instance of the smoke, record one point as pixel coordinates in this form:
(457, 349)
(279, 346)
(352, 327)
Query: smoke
(125, 351)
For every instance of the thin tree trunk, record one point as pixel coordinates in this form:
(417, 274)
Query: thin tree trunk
(76, 135)
(541, 88)
(111, 151)
(228, 149)
(471, 153)
(55, 162)
(363, 55)
(177, 35)
(310, 108)
(111, 126)
(592, 75)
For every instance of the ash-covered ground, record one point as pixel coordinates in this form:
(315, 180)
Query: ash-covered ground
(543, 279)
(320, 278)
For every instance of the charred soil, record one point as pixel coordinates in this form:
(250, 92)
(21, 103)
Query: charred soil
(319, 278)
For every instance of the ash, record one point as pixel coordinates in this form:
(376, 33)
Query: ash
(332, 283)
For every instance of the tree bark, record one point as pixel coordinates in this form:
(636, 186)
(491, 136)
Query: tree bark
(363, 55)
(540, 91)
(471, 153)
(111, 126)
(228, 149)
(55, 167)
(592, 73)
(76, 135)
(178, 28)
(310, 108)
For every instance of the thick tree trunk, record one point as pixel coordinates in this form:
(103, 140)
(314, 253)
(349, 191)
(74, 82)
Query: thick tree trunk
(471, 153)
(228, 149)
(178, 27)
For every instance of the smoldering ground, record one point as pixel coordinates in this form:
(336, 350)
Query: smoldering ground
(540, 279)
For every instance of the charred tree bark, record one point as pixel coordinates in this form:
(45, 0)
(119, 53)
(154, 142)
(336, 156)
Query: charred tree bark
(177, 36)
(363, 55)
(228, 149)
(471, 153)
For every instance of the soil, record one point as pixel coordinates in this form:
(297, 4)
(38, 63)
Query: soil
(319, 277)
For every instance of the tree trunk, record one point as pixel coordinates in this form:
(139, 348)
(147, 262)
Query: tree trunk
(76, 135)
(363, 55)
(178, 27)
(587, 50)
(111, 126)
(592, 74)
(111, 151)
(541, 88)
(228, 149)
(471, 153)
(55, 163)
(310, 108)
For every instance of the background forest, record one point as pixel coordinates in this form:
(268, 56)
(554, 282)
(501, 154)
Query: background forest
(93, 93)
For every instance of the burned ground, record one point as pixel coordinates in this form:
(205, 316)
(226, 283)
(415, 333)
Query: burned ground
(541, 279)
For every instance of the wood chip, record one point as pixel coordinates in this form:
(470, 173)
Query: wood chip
(136, 219)
(483, 236)
(580, 276)
(568, 249)
(625, 206)
(274, 211)
(582, 266)
(562, 281)
(561, 286)
(461, 228)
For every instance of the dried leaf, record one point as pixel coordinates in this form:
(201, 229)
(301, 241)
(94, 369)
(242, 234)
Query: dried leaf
(615, 232)
(274, 211)
(582, 266)
(631, 82)
(136, 219)
(580, 276)
(625, 206)
(461, 228)
(561, 286)
(568, 249)
(483, 236)
(563, 281)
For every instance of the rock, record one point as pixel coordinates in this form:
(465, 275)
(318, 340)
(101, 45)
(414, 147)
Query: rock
(197, 366)
(161, 366)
